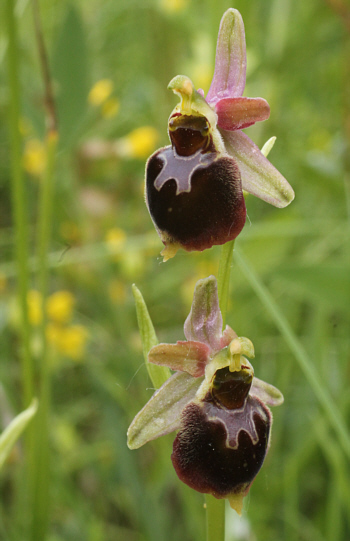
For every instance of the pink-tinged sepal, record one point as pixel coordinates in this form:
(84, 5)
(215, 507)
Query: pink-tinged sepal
(259, 176)
(231, 60)
(239, 113)
(227, 336)
(204, 322)
(191, 357)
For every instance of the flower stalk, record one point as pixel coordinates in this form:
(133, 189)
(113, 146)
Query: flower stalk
(19, 202)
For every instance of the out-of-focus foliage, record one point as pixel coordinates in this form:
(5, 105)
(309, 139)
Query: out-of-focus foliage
(103, 241)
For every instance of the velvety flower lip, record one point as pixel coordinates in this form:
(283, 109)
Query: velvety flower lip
(215, 402)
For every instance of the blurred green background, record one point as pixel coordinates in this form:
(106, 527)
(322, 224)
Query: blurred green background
(111, 63)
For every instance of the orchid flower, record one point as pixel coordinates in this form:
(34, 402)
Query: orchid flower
(194, 187)
(214, 401)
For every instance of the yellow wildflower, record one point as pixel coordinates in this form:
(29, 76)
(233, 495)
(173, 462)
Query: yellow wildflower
(72, 341)
(139, 143)
(100, 92)
(60, 306)
(110, 107)
(34, 157)
(132, 263)
(34, 301)
(115, 238)
(117, 291)
(53, 334)
(173, 6)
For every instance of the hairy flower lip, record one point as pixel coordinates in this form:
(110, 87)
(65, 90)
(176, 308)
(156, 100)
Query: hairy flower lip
(220, 452)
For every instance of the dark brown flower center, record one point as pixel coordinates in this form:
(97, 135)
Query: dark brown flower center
(230, 389)
(189, 134)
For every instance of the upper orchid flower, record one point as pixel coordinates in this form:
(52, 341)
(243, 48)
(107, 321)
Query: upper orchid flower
(194, 187)
(214, 400)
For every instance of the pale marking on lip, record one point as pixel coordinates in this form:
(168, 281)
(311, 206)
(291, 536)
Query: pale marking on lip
(181, 168)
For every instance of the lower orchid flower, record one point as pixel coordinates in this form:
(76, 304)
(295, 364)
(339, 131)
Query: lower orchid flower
(214, 401)
(194, 187)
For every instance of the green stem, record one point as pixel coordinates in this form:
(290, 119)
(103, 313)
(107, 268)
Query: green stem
(216, 508)
(215, 518)
(19, 206)
(310, 372)
(224, 277)
(41, 479)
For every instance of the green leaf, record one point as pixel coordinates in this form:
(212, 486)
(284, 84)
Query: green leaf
(70, 74)
(161, 415)
(13, 431)
(158, 374)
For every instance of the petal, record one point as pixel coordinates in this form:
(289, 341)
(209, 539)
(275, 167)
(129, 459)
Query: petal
(190, 357)
(239, 113)
(259, 176)
(231, 61)
(204, 322)
(161, 414)
(267, 393)
(227, 336)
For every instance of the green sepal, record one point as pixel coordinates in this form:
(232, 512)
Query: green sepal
(162, 413)
(13, 431)
(158, 374)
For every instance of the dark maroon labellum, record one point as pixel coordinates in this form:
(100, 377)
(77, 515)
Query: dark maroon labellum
(193, 193)
(219, 451)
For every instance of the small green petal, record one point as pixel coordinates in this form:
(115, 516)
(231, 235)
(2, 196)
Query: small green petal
(204, 322)
(268, 146)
